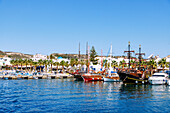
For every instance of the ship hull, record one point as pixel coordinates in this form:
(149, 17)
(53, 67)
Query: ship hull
(92, 77)
(129, 78)
(78, 77)
(111, 79)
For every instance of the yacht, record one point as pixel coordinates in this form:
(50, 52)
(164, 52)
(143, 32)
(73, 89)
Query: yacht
(158, 78)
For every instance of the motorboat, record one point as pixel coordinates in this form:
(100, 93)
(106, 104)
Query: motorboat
(158, 78)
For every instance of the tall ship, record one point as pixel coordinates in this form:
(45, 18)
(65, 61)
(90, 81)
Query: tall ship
(90, 76)
(131, 75)
(111, 75)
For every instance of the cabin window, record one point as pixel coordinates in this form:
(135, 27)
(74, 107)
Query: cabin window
(158, 75)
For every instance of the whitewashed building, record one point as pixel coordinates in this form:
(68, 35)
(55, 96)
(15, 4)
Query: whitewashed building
(5, 61)
(37, 57)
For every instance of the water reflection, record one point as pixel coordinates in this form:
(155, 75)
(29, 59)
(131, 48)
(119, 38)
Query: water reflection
(66, 95)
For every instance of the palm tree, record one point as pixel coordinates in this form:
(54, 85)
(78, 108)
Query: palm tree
(67, 65)
(82, 63)
(56, 64)
(76, 62)
(62, 63)
(40, 63)
(30, 62)
(163, 63)
(21, 63)
(122, 64)
(133, 63)
(25, 62)
(114, 64)
(51, 63)
(51, 57)
(72, 62)
(105, 63)
(45, 62)
(35, 64)
(152, 64)
(13, 63)
(16, 63)
(143, 64)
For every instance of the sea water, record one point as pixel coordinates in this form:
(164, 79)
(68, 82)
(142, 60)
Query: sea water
(67, 95)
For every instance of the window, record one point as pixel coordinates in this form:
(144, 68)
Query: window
(158, 75)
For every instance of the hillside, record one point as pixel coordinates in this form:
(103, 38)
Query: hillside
(69, 56)
(14, 55)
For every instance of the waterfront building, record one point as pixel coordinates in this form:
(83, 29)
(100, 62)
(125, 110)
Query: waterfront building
(37, 57)
(5, 61)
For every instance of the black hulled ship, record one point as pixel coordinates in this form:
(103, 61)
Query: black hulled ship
(131, 75)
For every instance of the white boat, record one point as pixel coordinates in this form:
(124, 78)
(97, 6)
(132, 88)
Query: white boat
(112, 76)
(168, 82)
(158, 78)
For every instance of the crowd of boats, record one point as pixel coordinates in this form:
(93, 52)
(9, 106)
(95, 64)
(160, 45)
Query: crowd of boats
(126, 75)
(112, 76)
(17, 75)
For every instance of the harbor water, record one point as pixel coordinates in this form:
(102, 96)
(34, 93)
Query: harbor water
(67, 95)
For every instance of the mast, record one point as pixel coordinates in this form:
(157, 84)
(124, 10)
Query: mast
(88, 60)
(110, 55)
(140, 56)
(128, 53)
(169, 65)
(101, 58)
(87, 51)
(79, 56)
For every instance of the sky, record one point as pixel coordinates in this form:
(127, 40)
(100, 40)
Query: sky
(58, 26)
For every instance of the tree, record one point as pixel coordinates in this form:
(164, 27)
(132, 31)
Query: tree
(40, 63)
(46, 63)
(133, 63)
(72, 62)
(16, 62)
(13, 63)
(56, 64)
(21, 63)
(62, 63)
(51, 63)
(114, 64)
(51, 57)
(152, 64)
(67, 65)
(30, 62)
(76, 62)
(163, 63)
(93, 55)
(82, 63)
(35, 64)
(122, 64)
(25, 62)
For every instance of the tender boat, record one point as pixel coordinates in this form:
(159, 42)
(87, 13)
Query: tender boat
(114, 77)
(159, 78)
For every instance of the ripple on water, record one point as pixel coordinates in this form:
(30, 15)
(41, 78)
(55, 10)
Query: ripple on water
(74, 96)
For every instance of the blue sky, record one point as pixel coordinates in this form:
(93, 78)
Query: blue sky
(57, 26)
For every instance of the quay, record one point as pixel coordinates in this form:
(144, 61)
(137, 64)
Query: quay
(44, 76)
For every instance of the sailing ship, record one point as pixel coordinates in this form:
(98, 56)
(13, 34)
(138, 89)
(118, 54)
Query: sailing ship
(133, 75)
(111, 76)
(90, 76)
